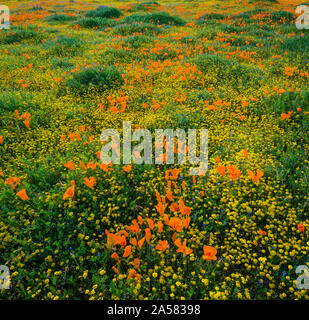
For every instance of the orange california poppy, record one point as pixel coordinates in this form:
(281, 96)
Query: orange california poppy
(255, 178)
(115, 256)
(127, 168)
(150, 223)
(160, 208)
(70, 192)
(183, 208)
(147, 234)
(136, 263)
(162, 245)
(91, 182)
(69, 165)
(127, 251)
(209, 253)
(245, 154)
(176, 224)
(22, 194)
(221, 170)
(141, 242)
(134, 275)
(301, 227)
(233, 172)
(12, 182)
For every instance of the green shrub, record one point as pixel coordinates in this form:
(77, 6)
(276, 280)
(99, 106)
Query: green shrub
(95, 22)
(128, 29)
(64, 46)
(61, 18)
(20, 34)
(209, 17)
(229, 71)
(112, 56)
(298, 43)
(144, 6)
(96, 77)
(138, 41)
(156, 18)
(104, 12)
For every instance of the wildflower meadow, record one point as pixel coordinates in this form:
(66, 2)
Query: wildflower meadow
(74, 227)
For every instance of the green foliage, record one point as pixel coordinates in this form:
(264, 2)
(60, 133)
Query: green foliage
(97, 77)
(144, 6)
(60, 18)
(138, 41)
(64, 46)
(128, 29)
(20, 34)
(112, 56)
(156, 18)
(97, 22)
(104, 12)
(224, 70)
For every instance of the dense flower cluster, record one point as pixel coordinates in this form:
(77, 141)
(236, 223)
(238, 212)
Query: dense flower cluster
(72, 227)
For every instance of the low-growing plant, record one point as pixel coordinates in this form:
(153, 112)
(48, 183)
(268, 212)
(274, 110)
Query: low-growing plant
(60, 18)
(104, 12)
(97, 22)
(161, 17)
(64, 46)
(98, 77)
(128, 29)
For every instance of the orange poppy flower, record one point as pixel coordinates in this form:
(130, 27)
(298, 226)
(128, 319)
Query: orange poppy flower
(133, 242)
(127, 251)
(127, 168)
(1, 173)
(183, 208)
(141, 242)
(162, 246)
(13, 182)
(70, 192)
(160, 226)
(134, 275)
(136, 263)
(176, 224)
(91, 182)
(245, 154)
(160, 208)
(182, 247)
(22, 194)
(186, 222)
(261, 232)
(221, 170)
(69, 165)
(174, 207)
(150, 223)
(115, 256)
(1, 139)
(158, 196)
(104, 167)
(209, 253)
(27, 123)
(233, 172)
(255, 178)
(169, 194)
(140, 220)
(92, 165)
(147, 234)
(301, 227)
(115, 269)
